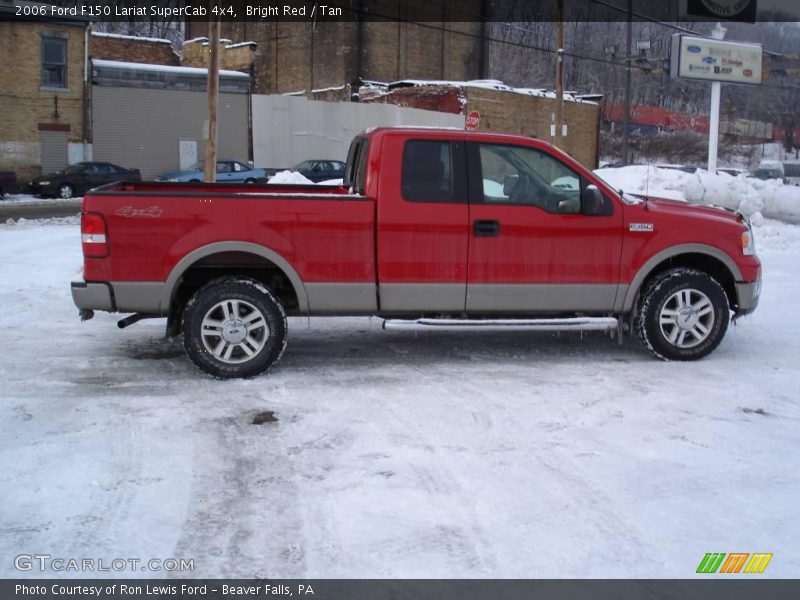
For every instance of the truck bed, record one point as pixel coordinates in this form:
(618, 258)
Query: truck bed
(325, 233)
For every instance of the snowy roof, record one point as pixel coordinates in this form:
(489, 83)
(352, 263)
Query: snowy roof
(488, 84)
(115, 64)
(240, 44)
(195, 40)
(137, 38)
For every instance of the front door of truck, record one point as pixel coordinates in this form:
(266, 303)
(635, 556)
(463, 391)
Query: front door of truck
(540, 242)
(423, 219)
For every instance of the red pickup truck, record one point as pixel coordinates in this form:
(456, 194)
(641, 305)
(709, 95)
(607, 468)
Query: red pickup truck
(431, 228)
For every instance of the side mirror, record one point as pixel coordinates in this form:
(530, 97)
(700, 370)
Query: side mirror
(593, 201)
(508, 184)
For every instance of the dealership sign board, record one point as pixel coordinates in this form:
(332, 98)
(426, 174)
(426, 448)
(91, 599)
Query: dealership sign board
(715, 60)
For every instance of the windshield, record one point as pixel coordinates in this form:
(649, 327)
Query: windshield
(198, 166)
(74, 169)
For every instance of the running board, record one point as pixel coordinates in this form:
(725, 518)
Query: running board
(572, 324)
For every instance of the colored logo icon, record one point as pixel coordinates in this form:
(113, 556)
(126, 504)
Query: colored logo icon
(736, 562)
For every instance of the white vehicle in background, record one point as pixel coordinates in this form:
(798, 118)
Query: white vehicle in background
(768, 169)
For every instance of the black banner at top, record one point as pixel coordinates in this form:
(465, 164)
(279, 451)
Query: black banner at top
(405, 10)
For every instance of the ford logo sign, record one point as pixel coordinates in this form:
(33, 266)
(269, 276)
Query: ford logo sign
(694, 49)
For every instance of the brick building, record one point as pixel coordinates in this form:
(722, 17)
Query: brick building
(234, 57)
(297, 56)
(43, 92)
(128, 48)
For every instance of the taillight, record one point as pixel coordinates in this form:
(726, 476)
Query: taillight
(93, 235)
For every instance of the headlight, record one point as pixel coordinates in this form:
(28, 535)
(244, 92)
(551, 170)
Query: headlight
(748, 242)
(44, 183)
(173, 180)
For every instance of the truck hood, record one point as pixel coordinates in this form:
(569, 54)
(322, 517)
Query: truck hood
(676, 208)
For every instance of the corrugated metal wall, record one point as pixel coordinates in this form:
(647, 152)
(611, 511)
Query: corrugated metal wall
(54, 150)
(142, 128)
(289, 129)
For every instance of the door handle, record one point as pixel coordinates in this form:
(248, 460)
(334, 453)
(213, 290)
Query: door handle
(487, 228)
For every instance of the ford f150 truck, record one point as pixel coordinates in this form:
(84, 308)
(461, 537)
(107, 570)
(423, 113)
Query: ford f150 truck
(430, 228)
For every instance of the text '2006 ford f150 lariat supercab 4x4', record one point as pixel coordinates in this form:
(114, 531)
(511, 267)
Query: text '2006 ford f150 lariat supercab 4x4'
(431, 228)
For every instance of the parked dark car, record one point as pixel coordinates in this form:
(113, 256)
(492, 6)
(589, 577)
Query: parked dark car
(315, 170)
(691, 169)
(8, 183)
(77, 178)
(321, 170)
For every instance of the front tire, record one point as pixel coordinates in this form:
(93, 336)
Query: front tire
(65, 191)
(683, 315)
(234, 327)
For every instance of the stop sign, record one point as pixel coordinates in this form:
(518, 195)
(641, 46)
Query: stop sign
(473, 120)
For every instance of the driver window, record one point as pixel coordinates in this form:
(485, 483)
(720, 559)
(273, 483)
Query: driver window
(518, 175)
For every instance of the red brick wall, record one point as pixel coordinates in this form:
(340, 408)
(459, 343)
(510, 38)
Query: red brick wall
(139, 51)
(441, 99)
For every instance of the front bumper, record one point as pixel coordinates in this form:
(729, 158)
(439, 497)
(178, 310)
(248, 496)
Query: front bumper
(41, 190)
(747, 296)
(93, 296)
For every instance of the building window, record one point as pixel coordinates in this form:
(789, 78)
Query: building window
(54, 62)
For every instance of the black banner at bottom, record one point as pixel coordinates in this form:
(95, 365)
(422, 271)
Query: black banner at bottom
(401, 589)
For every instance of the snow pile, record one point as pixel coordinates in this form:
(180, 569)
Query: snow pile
(331, 182)
(752, 197)
(292, 177)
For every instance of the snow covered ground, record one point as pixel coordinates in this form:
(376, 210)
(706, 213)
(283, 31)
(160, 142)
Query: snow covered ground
(394, 454)
(31, 199)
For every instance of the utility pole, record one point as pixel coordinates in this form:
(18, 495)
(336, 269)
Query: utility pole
(210, 166)
(626, 118)
(559, 124)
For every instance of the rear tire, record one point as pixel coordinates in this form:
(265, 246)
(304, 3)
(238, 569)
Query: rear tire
(65, 191)
(250, 181)
(683, 315)
(234, 327)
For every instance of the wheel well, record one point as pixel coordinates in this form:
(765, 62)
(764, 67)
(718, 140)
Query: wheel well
(702, 262)
(232, 263)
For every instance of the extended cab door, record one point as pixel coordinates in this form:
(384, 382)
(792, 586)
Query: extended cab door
(422, 217)
(540, 241)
